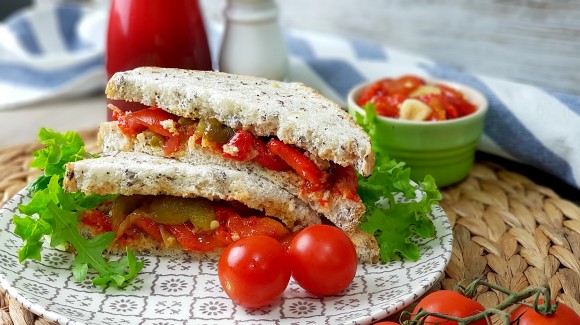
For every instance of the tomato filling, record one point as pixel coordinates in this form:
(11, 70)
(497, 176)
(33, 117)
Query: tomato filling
(195, 224)
(240, 145)
(388, 97)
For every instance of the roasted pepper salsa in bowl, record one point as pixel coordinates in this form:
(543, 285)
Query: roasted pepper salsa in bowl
(431, 125)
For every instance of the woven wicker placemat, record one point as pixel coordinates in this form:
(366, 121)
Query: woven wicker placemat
(507, 228)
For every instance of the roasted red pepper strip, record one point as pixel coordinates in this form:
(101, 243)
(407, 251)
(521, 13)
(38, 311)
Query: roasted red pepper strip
(171, 144)
(456, 99)
(267, 158)
(388, 105)
(100, 221)
(190, 240)
(437, 103)
(222, 213)
(245, 227)
(403, 85)
(243, 141)
(248, 226)
(134, 122)
(128, 125)
(297, 160)
(345, 181)
(369, 93)
(149, 227)
(252, 148)
(152, 118)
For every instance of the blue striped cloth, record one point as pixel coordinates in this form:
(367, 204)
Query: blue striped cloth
(58, 51)
(50, 51)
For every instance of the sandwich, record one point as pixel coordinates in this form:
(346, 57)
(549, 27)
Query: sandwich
(276, 153)
(166, 207)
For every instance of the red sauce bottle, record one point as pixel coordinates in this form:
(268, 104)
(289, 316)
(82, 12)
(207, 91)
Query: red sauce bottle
(159, 33)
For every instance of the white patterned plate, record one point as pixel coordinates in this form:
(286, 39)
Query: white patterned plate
(172, 291)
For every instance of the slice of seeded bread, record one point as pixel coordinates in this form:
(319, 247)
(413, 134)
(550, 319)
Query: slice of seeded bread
(293, 112)
(343, 212)
(130, 173)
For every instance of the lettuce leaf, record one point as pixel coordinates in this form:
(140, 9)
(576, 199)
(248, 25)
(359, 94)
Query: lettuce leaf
(52, 212)
(393, 220)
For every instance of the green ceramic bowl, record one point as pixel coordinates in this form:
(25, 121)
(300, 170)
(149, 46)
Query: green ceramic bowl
(443, 149)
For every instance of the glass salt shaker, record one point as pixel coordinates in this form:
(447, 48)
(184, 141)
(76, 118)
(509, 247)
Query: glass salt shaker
(253, 43)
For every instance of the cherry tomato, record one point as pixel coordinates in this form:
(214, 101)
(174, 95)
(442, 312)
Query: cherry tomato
(253, 271)
(449, 303)
(528, 316)
(462, 106)
(386, 323)
(323, 259)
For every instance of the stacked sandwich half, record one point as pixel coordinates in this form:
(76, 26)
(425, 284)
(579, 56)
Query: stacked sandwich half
(216, 157)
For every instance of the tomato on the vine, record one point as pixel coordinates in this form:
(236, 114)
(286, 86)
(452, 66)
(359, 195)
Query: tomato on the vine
(323, 259)
(253, 271)
(450, 303)
(525, 315)
(386, 323)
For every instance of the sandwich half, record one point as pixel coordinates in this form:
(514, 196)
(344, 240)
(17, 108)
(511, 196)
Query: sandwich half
(285, 133)
(168, 207)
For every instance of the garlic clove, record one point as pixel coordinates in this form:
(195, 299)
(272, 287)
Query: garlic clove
(414, 110)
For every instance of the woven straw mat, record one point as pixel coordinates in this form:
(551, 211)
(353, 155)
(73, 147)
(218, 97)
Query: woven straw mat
(507, 229)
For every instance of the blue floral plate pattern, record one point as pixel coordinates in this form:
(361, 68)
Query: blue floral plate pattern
(171, 291)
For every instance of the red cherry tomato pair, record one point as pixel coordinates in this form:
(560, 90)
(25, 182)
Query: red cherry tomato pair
(254, 271)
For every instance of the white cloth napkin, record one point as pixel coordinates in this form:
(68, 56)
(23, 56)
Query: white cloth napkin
(57, 50)
(50, 51)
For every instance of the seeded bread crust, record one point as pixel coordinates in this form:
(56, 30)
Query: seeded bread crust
(130, 173)
(344, 213)
(293, 112)
(367, 248)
